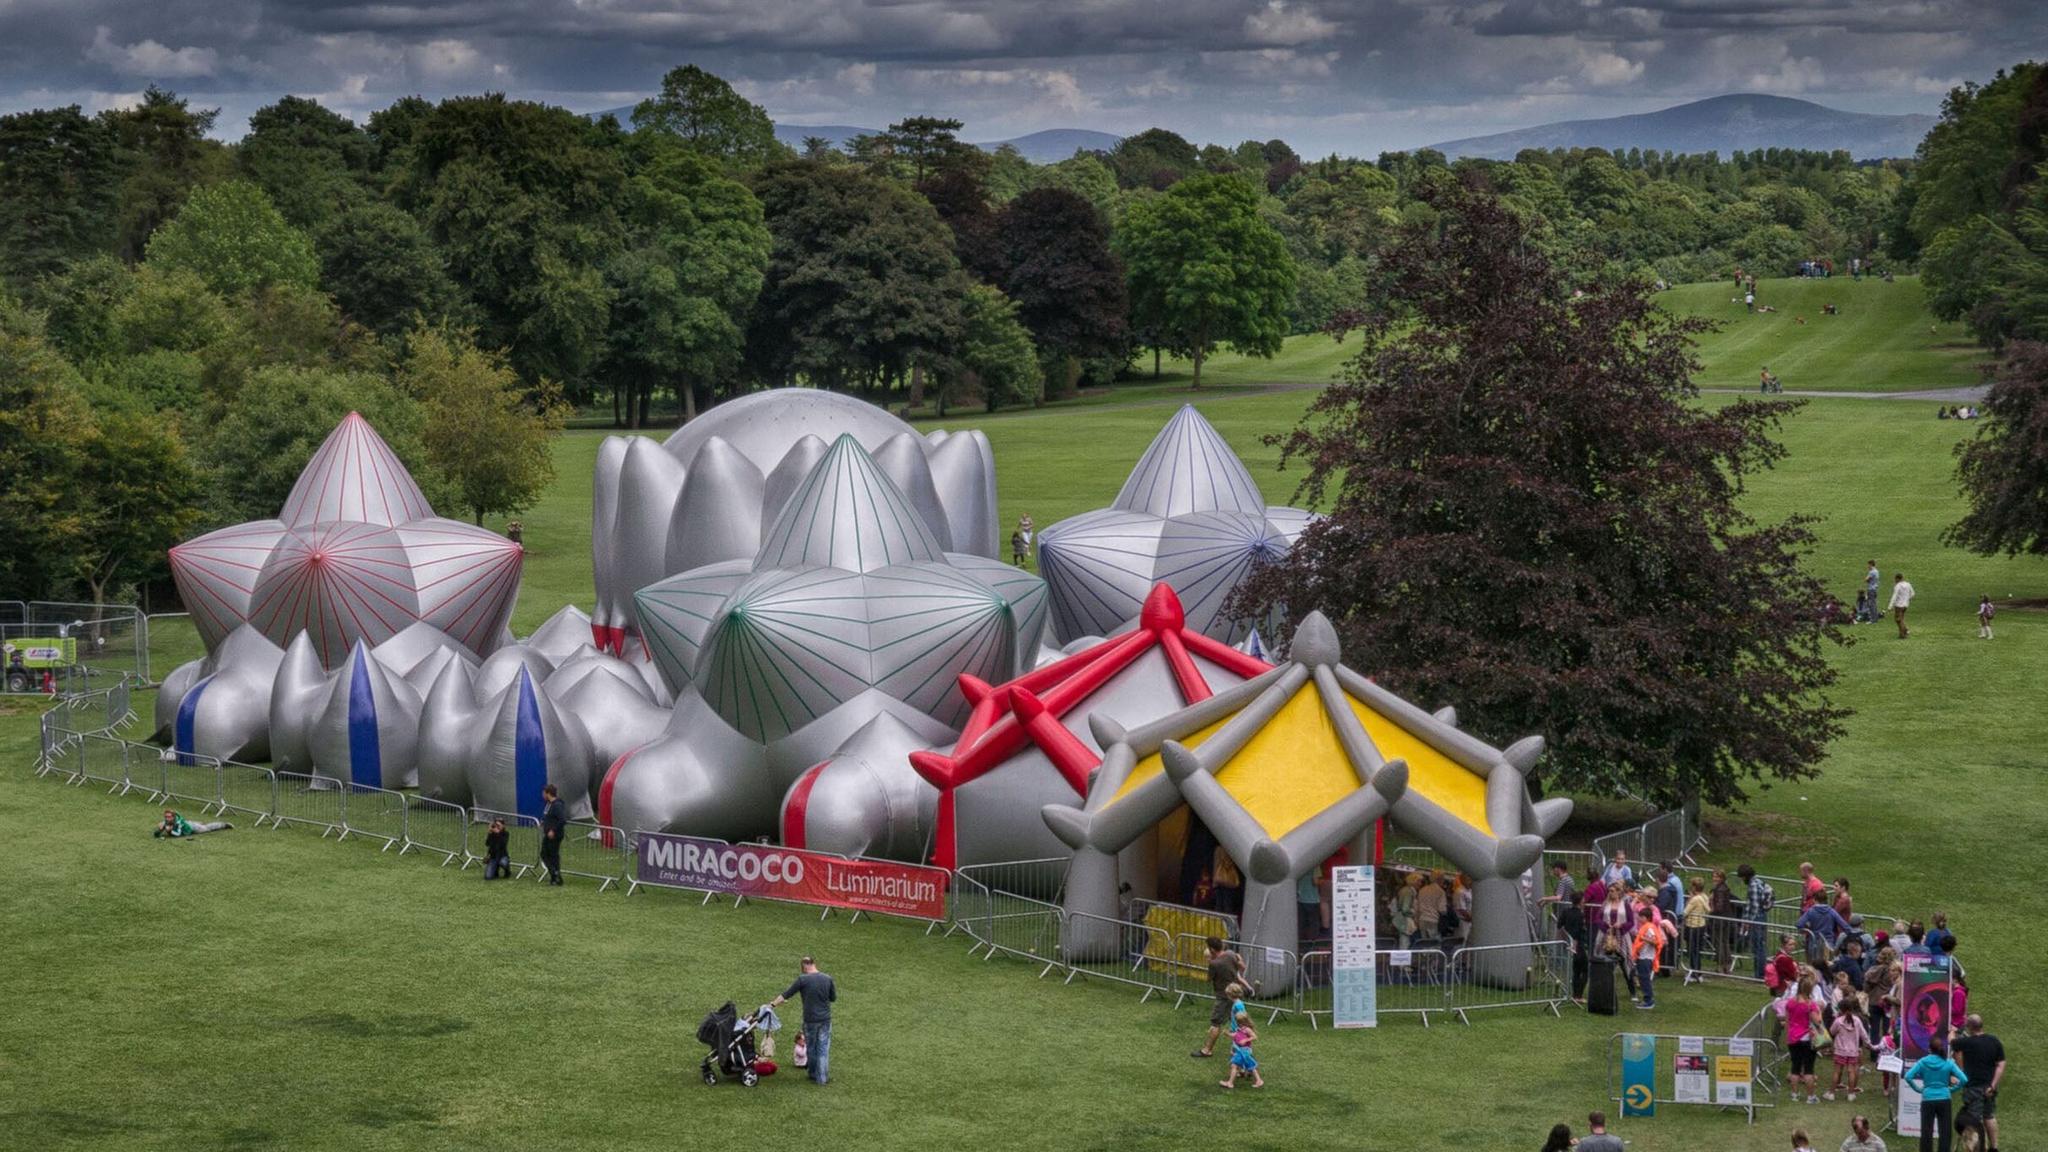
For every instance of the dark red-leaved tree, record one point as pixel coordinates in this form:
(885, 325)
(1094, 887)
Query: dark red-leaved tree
(1532, 517)
(2003, 470)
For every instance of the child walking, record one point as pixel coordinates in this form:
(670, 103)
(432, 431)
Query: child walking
(1241, 1038)
(1984, 614)
(1851, 1038)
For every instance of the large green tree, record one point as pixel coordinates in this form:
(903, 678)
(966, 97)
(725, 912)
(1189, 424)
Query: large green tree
(994, 353)
(684, 285)
(382, 269)
(59, 174)
(1205, 270)
(2003, 469)
(488, 434)
(524, 200)
(232, 238)
(139, 497)
(312, 163)
(1067, 285)
(261, 444)
(861, 283)
(1529, 513)
(46, 435)
(165, 154)
(702, 110)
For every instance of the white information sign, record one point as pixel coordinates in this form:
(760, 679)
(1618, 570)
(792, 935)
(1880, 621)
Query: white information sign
(1692, 1045)
(1741, 1046)
(1353, 989)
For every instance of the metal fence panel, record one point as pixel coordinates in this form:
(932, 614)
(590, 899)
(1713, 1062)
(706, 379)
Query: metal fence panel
(1042, 880)
(1134, 954)
(1022, 927)
(1509, 975)
(102, 760)
(434, 826)
(192, 779)
(249, 790)
(594, 852)
(312, 800)
(374, 814)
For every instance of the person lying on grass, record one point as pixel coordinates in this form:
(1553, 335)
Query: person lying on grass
(176, 827)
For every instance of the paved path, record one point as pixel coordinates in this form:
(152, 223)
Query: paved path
(1968, 395)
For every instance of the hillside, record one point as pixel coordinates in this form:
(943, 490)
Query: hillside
(1723, 124)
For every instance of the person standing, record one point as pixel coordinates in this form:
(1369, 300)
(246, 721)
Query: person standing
(1756, 912)
(1571, 927)
(1721, 910)
(1670, 903)
(554, 820)
(1984, 614)
(1644, 944)
(1934, 1076)
(1618, 875)
(1563, 892)
(1902, 599)
(1802, 1026)
(1226, 968)
(1308, 905)
(1861, 1138)
(1697, 909)
(1871, 579)
(819, 993)
(1983, 1059)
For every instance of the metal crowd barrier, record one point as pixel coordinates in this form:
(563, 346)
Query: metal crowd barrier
(1118, 950)
(248, 790)
(313, 800)
(594, 852)
(373, 813)
(1022, 927)
(1509, 976)
(1044, 881)
(435, 826)
(191, 778)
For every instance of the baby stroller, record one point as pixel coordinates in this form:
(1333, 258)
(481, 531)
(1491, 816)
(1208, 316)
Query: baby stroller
(730, 1037)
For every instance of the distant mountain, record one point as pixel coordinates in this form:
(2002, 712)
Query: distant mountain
(1056, 144)
(838, 135)
(1722, 124)
(1047, 147)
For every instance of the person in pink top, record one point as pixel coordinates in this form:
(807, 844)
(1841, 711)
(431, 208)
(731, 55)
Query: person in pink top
(1851, 1037)
(1802, 1026)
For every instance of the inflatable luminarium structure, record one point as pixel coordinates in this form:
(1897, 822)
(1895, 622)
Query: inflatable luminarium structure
(801, 631)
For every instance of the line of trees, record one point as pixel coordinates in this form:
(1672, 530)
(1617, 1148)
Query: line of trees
(237, 298)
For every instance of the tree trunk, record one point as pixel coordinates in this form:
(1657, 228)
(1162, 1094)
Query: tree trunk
(479, 517)
(1070, 376)
(1198, 369)
(618, 417)
(689, 402)
(1155, 361)
(917, 386)
(646, 404)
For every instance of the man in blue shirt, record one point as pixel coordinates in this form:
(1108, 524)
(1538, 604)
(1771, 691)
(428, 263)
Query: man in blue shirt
(819, 993)
(1670, 899)
(1820, 926)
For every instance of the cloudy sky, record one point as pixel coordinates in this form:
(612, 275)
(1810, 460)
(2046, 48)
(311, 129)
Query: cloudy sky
(1348, 75)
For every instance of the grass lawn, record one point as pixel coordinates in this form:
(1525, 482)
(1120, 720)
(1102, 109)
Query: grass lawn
(1882, 340)
(271, 990)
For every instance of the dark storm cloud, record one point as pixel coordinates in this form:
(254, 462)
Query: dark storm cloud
(1352, 75)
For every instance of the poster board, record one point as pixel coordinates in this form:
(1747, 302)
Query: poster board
(1354, 986)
